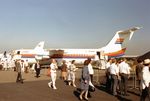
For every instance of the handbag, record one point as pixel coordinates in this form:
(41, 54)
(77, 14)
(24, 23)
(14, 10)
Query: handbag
(49, 72)
(91, 88)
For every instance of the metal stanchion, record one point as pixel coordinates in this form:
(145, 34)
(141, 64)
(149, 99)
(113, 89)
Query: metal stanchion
(98, 81)
(133, 75)
(99, 71)
(96, 76)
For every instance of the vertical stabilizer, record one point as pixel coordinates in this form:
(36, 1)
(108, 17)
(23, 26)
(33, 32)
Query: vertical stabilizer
(39, 48)
(118, 44)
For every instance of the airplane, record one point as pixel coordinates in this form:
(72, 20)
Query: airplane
(115, 48)
(31, 55)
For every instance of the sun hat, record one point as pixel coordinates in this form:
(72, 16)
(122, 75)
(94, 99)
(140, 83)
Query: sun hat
(147, 61)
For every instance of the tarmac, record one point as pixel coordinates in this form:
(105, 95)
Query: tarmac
(36, 89)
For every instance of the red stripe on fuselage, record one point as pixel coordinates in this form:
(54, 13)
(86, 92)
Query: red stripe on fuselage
(71, 56)
(28, 55)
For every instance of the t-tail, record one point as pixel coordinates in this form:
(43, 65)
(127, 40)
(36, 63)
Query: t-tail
(40, 52)
(118, 45)
(39, 46)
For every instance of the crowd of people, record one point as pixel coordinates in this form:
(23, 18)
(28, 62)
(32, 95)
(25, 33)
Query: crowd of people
(117, 75)
(68, 74)
(7, 64)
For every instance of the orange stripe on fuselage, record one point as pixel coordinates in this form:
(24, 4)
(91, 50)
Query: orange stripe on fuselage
(117, 53)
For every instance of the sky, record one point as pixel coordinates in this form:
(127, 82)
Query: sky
(73, 23)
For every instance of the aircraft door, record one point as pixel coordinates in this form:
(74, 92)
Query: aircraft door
(98, 54)
(18, 52)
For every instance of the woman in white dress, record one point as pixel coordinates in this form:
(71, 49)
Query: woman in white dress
(71, 73)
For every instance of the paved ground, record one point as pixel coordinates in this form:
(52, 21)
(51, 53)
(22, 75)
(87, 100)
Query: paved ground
(36, 89)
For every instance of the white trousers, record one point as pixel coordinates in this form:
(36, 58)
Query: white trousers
(53, 79)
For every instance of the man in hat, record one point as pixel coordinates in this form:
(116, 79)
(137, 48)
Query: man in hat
(145, 80)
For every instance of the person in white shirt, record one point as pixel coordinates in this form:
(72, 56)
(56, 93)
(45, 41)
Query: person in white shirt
(124, 70)
(91, 70)
(114, 72)
(5, 64)
(145, 80)
(91, 73)
(53, 68)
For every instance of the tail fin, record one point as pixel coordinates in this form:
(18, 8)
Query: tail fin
(117, 46)
(39, 46)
